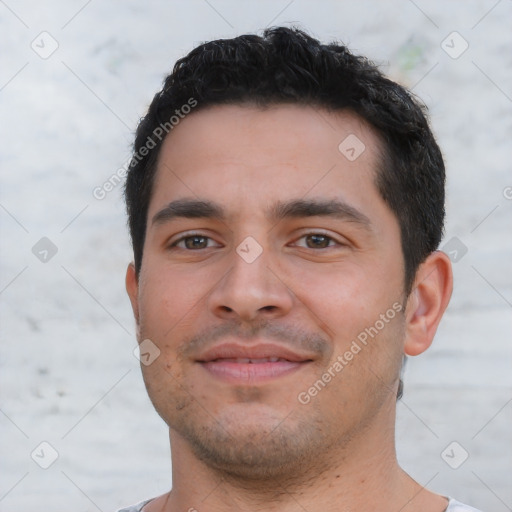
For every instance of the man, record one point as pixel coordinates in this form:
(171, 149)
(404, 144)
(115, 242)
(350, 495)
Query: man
(285, 203)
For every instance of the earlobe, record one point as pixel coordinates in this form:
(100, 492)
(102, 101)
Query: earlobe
(427, 302)
(132, 288)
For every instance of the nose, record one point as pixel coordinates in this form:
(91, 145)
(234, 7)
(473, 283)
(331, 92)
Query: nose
(251, 290)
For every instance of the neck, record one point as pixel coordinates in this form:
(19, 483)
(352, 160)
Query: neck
(361, 475)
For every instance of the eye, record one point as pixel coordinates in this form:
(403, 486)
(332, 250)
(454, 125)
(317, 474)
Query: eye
(194, 242)
(316, 241)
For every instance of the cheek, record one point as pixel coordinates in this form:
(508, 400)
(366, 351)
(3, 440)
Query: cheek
(361, 313)
(341, 296)
(363, 376)
(166, 390)
(169, 299)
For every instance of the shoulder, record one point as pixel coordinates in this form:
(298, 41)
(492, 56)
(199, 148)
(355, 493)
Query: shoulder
(457, 506)
(135, 508)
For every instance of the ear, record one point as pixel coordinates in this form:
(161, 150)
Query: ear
(132, 288)
(427, 302)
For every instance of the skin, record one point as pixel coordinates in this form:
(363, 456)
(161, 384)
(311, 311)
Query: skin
(253, 445)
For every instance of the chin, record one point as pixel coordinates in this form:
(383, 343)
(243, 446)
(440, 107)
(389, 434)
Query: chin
(255, 445)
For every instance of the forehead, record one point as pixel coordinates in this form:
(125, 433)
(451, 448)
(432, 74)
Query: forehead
(248, 156)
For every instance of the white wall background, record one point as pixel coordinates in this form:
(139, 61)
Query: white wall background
(67, 373)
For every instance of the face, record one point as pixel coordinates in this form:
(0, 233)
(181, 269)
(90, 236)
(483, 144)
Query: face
(272, 285)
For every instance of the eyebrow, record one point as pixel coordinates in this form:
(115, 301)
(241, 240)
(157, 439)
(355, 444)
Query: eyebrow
(319, 208)
(204, 209)
(189, 209)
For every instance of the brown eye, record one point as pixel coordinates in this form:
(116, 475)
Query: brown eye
(318, 241)
(196, 242)
(193, 242)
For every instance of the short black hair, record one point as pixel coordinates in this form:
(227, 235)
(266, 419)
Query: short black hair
(286, 65)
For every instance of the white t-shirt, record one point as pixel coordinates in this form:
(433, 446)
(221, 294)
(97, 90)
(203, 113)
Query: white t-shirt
(457, 506)
(453, 506)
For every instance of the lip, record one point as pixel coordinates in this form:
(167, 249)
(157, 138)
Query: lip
(259, 351)
(230, 362)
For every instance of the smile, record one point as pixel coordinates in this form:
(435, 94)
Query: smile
(245, 370)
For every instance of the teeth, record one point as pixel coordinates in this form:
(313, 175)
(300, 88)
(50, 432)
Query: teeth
(246, 360)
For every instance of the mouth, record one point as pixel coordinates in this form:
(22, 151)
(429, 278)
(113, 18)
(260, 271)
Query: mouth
(245, 370)
(251, 364)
